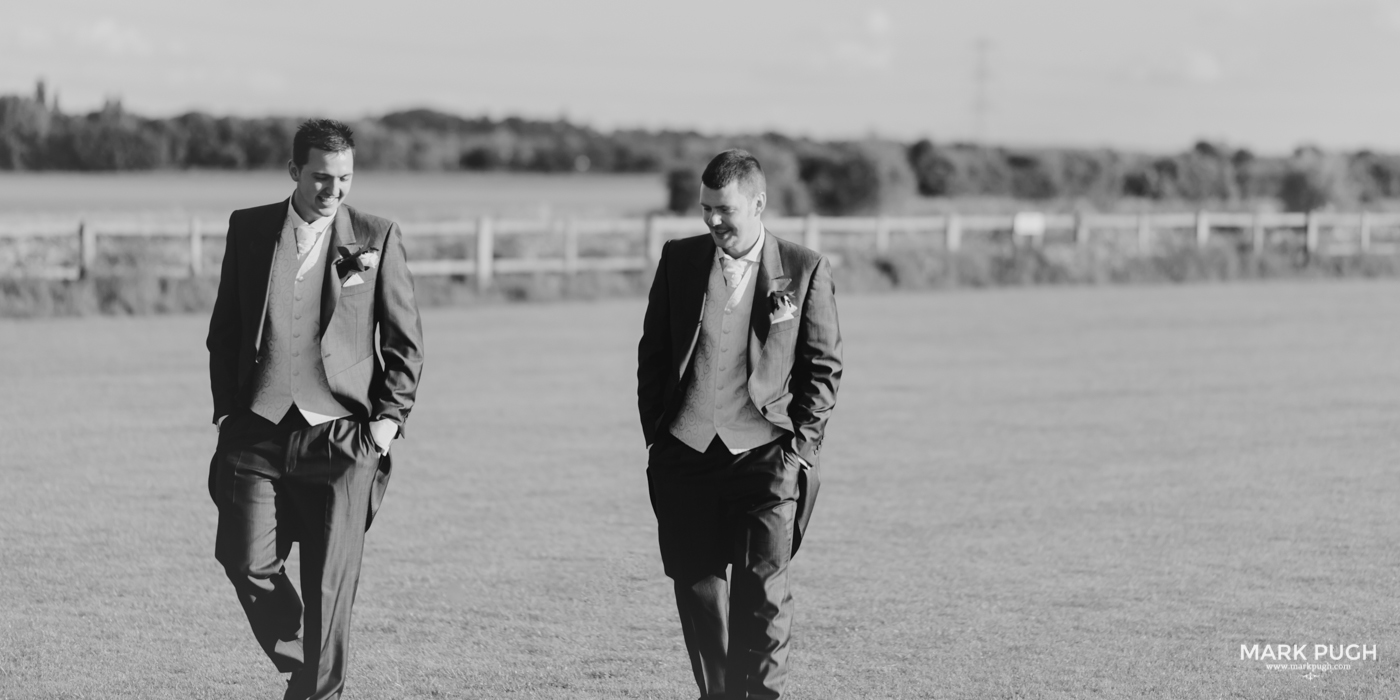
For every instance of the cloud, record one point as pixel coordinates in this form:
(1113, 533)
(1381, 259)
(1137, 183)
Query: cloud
(31, 37)
(108, 36)
(266, 82)
(878, 23)
(1389, 12)
(104, 37)
(1192, 65)
(870, 48)
(1201, 66)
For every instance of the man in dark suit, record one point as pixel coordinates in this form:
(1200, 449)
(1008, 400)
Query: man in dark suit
(738, 367)
(308, 399)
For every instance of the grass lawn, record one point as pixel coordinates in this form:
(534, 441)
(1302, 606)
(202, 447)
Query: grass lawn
(1028, 493)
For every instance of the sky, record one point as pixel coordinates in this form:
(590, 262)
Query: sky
(1268, 75)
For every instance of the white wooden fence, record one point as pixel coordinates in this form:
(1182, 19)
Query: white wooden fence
(1325, 233)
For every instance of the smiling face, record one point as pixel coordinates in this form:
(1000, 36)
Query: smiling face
(322, 183)
(733, 217)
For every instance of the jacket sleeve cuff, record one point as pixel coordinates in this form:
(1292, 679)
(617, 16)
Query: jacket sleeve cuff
(805, 452)
(397, 421)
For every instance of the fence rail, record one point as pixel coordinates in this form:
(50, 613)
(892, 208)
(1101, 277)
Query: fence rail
(1343, 233)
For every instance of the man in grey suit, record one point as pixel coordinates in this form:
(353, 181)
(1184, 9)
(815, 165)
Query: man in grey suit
(737, 372)
(315, 350)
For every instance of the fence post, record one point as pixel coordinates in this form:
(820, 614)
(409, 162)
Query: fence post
(811, 235)
(1081, 229)
(952, 233)
(484, 253)
(196, 248)
(570, 246)
(1310, 243)
(87, 248)
(1144, 233)
(882, 235)
(1202, 228)
(1365, 242)
(1256, 238)
(651, 240)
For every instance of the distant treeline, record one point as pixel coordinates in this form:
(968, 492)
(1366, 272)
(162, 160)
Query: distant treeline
(805, 175)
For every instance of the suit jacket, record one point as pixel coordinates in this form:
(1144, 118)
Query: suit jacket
(794, 365)
(372, 385)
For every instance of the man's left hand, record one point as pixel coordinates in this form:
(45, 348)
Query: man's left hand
(383, 432)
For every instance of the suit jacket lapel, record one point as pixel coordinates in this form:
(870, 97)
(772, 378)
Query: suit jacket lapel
(265, 242)
(693, 295)
(343, 235)
(770, 267)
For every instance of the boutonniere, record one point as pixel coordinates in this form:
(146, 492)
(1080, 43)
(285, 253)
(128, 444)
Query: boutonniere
(780, 301)
(354, 259)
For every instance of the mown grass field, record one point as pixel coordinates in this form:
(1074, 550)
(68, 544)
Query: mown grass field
(1028, 493)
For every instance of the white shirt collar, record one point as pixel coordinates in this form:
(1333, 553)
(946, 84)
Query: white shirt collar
(754, 252)
(318, 226)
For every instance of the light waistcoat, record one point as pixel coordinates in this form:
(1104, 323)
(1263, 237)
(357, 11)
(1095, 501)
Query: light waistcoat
(717, 400)
(292, 371)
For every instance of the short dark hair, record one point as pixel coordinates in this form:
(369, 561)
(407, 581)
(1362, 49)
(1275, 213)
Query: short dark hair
(735, 164)
(327, 135)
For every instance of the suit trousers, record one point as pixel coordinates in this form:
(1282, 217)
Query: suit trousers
(279, 483)
(713, 510)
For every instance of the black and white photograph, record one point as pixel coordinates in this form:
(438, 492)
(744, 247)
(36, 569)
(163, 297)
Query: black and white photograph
(728, 350)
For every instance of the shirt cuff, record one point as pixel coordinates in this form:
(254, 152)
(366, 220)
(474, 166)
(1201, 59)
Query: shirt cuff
(383, 431)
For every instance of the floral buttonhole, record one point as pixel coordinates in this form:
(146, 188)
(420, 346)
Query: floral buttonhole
(355, 259)
(780, 301)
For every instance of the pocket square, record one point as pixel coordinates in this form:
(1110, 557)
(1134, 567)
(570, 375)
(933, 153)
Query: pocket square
(353, 280)
(780, 298)
(784, 312)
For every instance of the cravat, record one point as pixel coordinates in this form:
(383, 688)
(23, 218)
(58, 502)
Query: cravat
(733, 270)
(305, 237)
